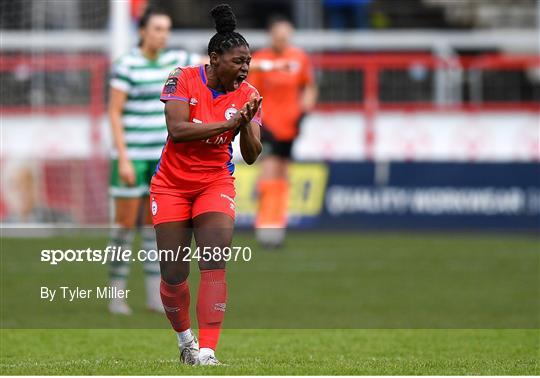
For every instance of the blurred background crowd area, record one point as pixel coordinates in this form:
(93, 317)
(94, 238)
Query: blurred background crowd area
(306, 14)
(442, 28)
(400, 82)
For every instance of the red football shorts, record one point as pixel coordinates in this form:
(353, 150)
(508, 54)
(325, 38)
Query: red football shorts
(175, 205)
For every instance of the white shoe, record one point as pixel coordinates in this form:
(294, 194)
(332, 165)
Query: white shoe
(189, 353)
(270, 238)
(120, 308)
(209, 360)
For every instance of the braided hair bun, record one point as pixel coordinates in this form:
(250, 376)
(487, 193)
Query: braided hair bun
(224, 18)
(225, 38)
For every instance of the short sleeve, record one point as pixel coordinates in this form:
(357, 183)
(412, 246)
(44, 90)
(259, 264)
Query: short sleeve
(175, 87)
(120, 78)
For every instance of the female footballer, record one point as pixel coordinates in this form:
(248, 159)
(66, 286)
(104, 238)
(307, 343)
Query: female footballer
(139, 132)
(192, 191)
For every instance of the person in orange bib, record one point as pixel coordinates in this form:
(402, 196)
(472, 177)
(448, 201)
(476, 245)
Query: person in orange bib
(284, 77)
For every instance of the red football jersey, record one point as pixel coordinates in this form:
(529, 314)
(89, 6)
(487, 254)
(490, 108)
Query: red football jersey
(282, 90)
(200, 161)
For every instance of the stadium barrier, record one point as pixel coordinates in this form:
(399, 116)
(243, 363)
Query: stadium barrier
(401, 195)
(373, 107)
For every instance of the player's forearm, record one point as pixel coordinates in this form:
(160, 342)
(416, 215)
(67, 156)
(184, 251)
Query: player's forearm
(188, 131)
(250, 145)
(118, 134)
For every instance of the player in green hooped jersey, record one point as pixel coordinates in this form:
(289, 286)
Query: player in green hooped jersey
(139, 133)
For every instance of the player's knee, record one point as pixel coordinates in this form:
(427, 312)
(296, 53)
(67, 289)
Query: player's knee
(173, 274)
(174, 278)
(217, 239)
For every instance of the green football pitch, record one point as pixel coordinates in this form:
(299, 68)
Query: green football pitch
(327, 303)
(268, 352)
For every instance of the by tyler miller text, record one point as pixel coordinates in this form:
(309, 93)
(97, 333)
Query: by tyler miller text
(71, 294)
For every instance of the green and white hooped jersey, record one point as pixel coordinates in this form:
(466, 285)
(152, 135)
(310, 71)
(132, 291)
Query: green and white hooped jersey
(145, 130)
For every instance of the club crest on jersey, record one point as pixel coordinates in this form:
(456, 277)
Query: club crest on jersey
(193, 101)
(154, 207)
(229, 113)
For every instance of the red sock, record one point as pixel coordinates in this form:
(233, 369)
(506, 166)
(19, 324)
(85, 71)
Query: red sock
(211, 306)
(175, 299)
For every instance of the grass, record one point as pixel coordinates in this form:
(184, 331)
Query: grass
(270, 352)
(328, 303)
